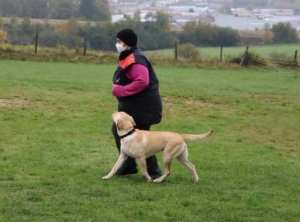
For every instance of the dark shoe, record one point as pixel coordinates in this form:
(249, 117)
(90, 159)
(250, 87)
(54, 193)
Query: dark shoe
(153, 168)
(155, 175)
(125, 171)
(128, 167)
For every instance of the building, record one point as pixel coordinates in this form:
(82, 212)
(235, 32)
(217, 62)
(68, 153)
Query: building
(241, 12)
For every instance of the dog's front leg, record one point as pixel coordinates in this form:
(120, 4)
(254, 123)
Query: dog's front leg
(120, 161)
(143, 164)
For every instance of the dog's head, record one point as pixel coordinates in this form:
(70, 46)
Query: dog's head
(123, 121)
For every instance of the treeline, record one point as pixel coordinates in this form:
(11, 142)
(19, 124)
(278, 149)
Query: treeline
(92, 10)
(153, 35)
(101, 35)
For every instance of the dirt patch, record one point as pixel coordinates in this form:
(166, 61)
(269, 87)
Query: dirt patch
(185, 101)
(196, 102)
(13, 102)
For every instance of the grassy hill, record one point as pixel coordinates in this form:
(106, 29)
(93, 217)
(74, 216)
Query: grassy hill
(56, 144)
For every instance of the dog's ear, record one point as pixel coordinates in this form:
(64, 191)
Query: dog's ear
(120, 124)
(132, 121)
(113, 114)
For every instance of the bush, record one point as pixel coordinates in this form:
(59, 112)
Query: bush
(3, 36)
(233, 59)
(188, 51)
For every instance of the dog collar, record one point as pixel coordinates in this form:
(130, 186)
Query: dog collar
(127, 134)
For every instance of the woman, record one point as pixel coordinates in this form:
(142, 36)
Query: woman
(136, 87)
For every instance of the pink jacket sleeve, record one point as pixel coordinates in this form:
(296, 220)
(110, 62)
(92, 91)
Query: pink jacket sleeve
(140, 80)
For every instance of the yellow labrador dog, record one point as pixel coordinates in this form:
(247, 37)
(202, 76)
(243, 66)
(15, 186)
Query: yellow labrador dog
(141, 144)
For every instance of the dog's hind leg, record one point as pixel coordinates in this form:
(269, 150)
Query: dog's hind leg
(183, 158)
(172, 150)
(143, 164)
(118, 164)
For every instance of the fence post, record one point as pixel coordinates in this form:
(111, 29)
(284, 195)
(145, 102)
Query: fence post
(295, 58)
(175, 44)
(245, 57)
(221, 53)
(84, 46)
(36, 42)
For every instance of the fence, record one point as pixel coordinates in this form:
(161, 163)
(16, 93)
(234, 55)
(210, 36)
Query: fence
(37, 39)
(248, 58)
(255, 59)
(251, 59)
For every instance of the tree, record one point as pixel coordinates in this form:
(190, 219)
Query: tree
(199, 33)
(39, 8)
(162, 21)
(225, 36)
(69, 28)
(10, 8)
(34, 8)
(26, 27)
(104, 12)
(63, 9)
(284, 33)
(87, 9)
(137, 16)
(94, 10)
(14, 23)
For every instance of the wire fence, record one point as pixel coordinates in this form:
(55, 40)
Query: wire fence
(251, 59)
(281, 67)
(247, 59)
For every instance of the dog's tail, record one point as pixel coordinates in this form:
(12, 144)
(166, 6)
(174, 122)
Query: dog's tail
(197, 137)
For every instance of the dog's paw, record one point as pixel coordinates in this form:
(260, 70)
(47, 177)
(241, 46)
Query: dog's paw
(158, 180)
(106, 178)
(149, 179)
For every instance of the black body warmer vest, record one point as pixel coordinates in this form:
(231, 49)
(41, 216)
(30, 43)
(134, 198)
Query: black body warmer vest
(146, 106)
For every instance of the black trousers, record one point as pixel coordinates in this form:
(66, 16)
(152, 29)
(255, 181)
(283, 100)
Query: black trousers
(152, 165)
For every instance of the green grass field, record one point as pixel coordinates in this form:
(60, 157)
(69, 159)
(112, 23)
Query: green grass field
(229, 52)
(55, 146)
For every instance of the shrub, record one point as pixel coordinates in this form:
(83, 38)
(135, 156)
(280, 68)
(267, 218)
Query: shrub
(233, 59)
(188, 51)
(3, 36)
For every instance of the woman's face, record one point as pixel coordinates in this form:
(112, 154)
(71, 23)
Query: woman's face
(119, 41)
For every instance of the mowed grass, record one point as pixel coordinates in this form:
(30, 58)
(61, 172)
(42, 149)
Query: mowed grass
(55, 146)
(230, 52)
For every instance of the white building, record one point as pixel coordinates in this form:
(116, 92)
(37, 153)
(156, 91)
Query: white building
(241, 12)
(263, 13)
